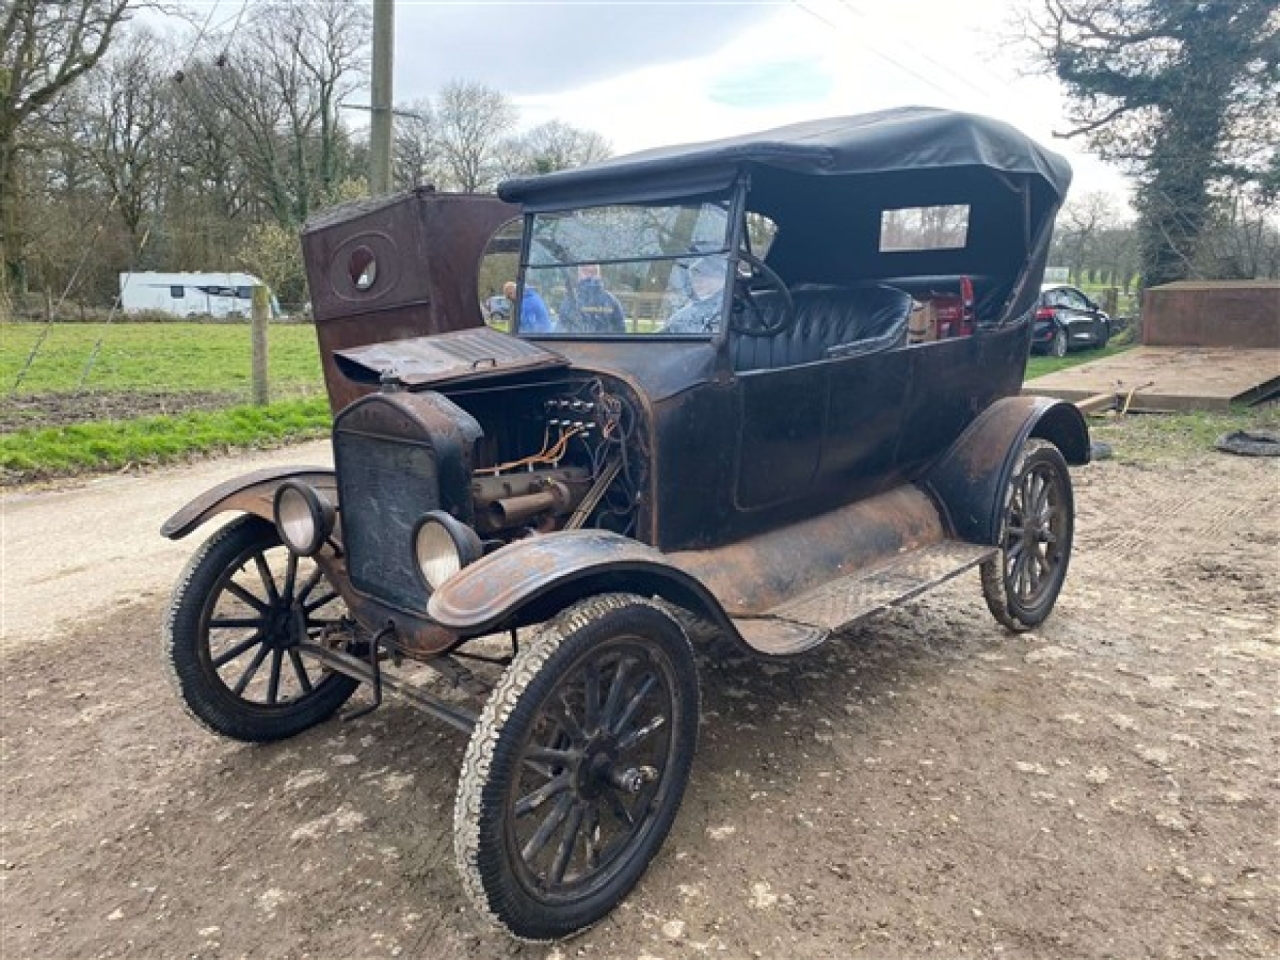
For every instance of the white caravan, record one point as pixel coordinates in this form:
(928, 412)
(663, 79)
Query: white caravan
(190, 294)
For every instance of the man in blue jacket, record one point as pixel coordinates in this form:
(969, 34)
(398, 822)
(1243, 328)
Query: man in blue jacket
(589, 307)
(533, 314)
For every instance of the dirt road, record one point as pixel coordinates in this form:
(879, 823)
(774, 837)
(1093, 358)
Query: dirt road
(926, 786)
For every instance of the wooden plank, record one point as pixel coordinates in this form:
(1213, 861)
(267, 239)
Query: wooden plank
(1099, 401)
(1169, 378)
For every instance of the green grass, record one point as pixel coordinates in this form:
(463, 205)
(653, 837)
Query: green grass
(1161, 437)
(1038, 366)
(115, 444)
(155, 356)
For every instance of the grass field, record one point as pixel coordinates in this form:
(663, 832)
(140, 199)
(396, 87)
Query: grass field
(117, 444)
(155, 356)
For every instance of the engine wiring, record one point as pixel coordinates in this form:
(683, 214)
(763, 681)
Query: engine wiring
(550, 455)
(605, 427)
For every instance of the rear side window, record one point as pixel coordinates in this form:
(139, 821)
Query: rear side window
(924, 228)
(177, 293)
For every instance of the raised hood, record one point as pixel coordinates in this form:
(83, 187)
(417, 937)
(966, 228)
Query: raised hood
(445, 358)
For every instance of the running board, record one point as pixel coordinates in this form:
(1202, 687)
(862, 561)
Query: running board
(806, 621)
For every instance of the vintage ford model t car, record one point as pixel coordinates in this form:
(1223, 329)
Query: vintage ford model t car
(746, 412)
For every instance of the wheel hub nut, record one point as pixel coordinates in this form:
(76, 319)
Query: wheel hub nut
(632, 779)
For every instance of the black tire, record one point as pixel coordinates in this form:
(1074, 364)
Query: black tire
(1058, 345)
(1250, 443)
(1106, 336)
(241, 605)
(587, 741)
(1022, 584)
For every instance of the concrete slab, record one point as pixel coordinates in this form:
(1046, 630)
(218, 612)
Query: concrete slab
(1170, 378)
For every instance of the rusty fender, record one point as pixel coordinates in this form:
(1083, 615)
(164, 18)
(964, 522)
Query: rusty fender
(969, 481)
(531, 580)
(252, 493)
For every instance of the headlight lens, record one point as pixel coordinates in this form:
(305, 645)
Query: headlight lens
(443, 546)
(304, 517)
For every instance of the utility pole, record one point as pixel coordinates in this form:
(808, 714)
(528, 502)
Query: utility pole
(380, 104)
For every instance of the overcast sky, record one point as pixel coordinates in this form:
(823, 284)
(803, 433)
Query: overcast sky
(654, 72)
(651, 73)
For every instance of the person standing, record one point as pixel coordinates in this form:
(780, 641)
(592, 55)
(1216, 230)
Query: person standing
(589, 307)
(533, 316)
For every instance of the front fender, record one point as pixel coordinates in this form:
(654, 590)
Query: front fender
(969, 481)
(529, 580)
(252, 493)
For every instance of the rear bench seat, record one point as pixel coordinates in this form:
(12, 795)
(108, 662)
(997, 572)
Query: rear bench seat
(829, 322)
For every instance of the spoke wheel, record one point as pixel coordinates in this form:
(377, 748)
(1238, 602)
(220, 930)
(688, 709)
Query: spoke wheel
(240, 609)
(577, 767)
(1022, 584)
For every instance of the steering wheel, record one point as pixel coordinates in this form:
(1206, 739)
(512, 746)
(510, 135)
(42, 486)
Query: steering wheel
(772, 282)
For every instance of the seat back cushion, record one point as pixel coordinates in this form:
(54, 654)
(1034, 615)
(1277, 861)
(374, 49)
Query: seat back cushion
(828, 322)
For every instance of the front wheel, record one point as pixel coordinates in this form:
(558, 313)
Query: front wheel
(577, 766)
(241, 607)
(1022, 584)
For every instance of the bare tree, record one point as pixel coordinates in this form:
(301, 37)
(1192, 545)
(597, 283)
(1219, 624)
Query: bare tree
(1078, 230)
(125, 125)
(281, 91)
(415, 158)
(554, 145)
(44, 49)
(472, 120)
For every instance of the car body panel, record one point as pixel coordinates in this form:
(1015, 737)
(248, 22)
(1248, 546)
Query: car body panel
(251, 493)
(969, 481)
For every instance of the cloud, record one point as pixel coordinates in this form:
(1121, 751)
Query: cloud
(771, 85)
(538, 48)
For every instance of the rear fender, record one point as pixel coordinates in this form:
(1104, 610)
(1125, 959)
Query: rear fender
(530, 580)
(252, 493)
(969, 482)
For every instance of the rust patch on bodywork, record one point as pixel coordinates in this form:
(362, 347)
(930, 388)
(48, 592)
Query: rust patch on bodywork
(757, 574)
(252, 493)
(391, 268)
(502, 581)
(743, 578)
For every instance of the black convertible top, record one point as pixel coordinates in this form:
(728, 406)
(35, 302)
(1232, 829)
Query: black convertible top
(899, 140)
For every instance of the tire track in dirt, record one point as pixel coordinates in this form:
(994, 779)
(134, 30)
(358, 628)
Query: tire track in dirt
(1176, 527)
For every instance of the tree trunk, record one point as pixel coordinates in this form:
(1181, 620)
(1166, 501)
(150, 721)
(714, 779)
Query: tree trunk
(13, 272)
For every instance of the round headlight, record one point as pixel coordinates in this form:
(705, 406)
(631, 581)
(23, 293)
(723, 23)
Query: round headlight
(304, 517)
(443, 546)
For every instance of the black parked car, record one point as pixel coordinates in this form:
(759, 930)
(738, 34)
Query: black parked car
(772, 447)
(1065, 319)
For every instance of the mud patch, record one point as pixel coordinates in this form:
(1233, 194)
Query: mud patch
(40, 410)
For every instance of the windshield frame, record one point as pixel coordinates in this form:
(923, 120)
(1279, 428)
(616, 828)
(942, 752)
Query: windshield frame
(735, 205)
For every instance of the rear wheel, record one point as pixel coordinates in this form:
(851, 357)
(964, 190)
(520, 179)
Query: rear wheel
(1022, 584)
(241, 607)
(1058, 345)
(577, 767)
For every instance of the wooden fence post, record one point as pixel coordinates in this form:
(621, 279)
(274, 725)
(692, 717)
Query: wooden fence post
(260, 314)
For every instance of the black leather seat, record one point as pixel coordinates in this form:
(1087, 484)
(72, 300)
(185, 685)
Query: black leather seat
(828, 322)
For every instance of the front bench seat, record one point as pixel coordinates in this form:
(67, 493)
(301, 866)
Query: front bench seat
(829, 322)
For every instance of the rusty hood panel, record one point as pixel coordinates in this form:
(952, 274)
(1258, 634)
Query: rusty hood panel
(446, 358)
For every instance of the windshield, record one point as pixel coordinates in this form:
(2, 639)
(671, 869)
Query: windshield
(634, 270)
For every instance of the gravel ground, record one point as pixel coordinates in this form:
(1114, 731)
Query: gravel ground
(924, 786)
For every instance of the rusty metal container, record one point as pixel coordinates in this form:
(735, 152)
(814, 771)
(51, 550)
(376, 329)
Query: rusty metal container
(1233, 313)
(395, 267)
